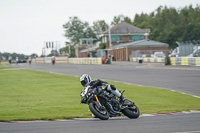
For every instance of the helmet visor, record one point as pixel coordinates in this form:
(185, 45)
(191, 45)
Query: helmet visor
(83, 83)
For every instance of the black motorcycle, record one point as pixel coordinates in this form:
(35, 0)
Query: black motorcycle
(104, 104)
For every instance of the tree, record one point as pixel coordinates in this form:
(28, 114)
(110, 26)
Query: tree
(170, 25)
(116, 20)
(68, 50)
(75, 29)
(6, 55)
(33, 55)
(141, 20)
(99, 27)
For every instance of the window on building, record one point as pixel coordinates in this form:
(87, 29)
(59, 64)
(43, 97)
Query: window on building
(83, 41)
(136, 37)
(115, 38)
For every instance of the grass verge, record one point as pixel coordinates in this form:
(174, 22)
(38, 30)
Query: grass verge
(33, 95)
(4, 67)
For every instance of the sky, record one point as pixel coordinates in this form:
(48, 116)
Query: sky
(25, 25)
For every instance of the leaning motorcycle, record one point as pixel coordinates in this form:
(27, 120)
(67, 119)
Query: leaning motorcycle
(104, 104)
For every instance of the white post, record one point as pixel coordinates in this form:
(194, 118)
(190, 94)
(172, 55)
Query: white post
(69, 49)
(110, 44)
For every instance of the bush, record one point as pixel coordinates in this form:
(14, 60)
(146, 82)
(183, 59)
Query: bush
(102, 45)
(167, 60)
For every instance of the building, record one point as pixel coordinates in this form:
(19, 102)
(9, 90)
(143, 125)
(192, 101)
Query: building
(145, 48)
(90, 51)
(123, 33)
(125, 40)
(85, 47)
(189, 48)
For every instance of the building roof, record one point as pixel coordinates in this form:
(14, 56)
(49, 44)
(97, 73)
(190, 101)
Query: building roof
(193, 42)
(141, 43)
(125, 28)
(91, 48)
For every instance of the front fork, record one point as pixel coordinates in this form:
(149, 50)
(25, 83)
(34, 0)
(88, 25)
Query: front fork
(96, 98)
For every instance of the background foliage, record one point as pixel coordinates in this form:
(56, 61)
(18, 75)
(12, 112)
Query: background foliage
(170, 25)
(167, 25)
(5, 56)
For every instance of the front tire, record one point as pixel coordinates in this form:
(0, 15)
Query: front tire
(99, 113)
(131, 112)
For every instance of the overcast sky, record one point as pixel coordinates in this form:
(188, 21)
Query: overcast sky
(26, 24)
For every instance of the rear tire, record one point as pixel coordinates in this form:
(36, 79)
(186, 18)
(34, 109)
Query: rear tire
(131, 112)
(101, 114)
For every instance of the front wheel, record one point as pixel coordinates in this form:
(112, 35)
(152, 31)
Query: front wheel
(131, 112)
(99, 112)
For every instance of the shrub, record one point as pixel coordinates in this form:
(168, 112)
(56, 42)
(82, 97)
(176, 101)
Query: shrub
(102, 45)
(167, 60)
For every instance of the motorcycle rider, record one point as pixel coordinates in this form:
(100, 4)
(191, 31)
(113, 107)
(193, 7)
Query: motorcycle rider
(53, 60)
(86, 80)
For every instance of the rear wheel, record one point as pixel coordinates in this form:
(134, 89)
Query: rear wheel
(99, 112)
(131, 112)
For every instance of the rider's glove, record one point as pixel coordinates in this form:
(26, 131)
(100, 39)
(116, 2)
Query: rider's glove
(96, 83)
(83, 100)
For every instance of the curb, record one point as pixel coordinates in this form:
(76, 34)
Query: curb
(113, 118)
(174, 113)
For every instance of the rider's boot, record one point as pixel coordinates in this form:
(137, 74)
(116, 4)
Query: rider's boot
(125, 102)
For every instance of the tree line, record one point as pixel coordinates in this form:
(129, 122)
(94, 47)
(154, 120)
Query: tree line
(167, 25)
(170, 25)
(6, 55)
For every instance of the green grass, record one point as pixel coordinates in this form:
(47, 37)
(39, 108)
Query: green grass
(4, 67)
(34, 95)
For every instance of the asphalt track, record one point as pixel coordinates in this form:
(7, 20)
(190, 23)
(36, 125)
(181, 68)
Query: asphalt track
(180, 123)
(183, 79)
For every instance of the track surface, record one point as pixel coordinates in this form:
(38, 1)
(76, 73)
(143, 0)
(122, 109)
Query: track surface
(183, 79)
(153, 124)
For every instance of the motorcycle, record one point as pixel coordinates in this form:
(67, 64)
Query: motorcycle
(53, 62)
(103, 104)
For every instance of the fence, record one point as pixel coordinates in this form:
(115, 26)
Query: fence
(85, 61)
(64, 60)
(150, 60)
(48, 60)
(186, 61)
(4, 62)
(61, 60)
(39, 60)
(68, 60)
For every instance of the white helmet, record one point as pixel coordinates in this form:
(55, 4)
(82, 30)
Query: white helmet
(85, 79)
